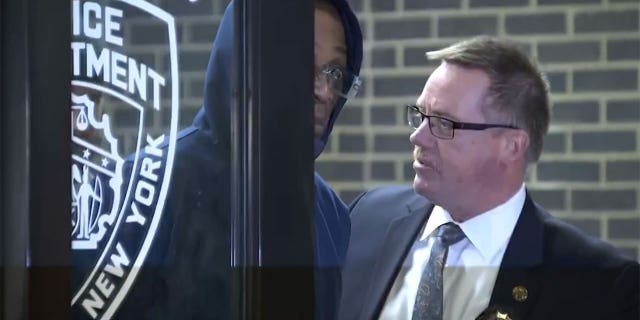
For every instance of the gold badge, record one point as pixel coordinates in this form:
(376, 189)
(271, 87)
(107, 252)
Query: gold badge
(502, 316)
(520, 293)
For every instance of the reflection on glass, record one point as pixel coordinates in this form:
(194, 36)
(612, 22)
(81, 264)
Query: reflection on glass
(121, 162)
(150, 206)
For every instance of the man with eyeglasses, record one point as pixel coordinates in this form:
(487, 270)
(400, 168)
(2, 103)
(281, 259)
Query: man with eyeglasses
(468, 240)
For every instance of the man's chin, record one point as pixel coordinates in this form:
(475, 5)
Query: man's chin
(318, 131)
(422, 187)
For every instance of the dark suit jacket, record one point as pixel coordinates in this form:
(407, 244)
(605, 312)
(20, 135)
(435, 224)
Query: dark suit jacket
(567, 274)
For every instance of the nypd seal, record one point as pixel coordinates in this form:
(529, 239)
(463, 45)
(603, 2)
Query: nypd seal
(120, 171)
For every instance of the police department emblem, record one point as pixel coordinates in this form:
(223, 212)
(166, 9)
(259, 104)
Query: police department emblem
(94, 168)
(121, 162)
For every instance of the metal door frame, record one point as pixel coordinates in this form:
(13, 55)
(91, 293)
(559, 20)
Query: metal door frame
(272, 168)
(35, 67)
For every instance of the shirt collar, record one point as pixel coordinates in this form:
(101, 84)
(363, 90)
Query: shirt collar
(489, 231)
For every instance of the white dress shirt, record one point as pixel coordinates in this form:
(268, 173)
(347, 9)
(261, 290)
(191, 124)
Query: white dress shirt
(472, 264)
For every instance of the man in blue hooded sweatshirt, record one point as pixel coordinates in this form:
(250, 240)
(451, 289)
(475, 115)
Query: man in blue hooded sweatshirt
(187, 274)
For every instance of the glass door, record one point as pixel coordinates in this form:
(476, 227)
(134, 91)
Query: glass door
(169, 133)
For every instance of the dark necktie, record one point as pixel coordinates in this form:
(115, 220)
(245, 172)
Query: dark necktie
(429, 298)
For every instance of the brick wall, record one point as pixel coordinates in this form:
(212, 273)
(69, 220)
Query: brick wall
(589, 173)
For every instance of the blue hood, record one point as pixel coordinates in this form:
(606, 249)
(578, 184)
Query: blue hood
(213, 117)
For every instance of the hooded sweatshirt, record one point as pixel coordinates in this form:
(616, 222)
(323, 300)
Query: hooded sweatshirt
(187, 274)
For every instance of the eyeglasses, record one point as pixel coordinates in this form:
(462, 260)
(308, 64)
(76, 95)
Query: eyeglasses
(340, 80)
(444, 128)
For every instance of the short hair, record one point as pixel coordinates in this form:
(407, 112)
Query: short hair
(518, 91)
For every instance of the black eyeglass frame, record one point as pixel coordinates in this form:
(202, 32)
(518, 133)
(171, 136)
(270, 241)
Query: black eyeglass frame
(454, 124)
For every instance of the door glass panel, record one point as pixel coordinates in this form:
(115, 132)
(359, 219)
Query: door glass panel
(137, 81)
(152, 143)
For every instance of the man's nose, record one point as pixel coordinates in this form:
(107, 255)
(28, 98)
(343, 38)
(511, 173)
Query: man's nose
(321, 88)
(422, 136)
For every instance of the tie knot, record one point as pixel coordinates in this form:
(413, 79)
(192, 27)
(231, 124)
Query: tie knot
(449, 233)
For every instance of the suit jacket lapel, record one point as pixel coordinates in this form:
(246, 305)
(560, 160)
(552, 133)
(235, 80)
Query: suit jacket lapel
(518, 283)
(398, 240)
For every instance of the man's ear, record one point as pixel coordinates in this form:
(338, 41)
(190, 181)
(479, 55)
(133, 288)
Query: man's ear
(515, 145)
